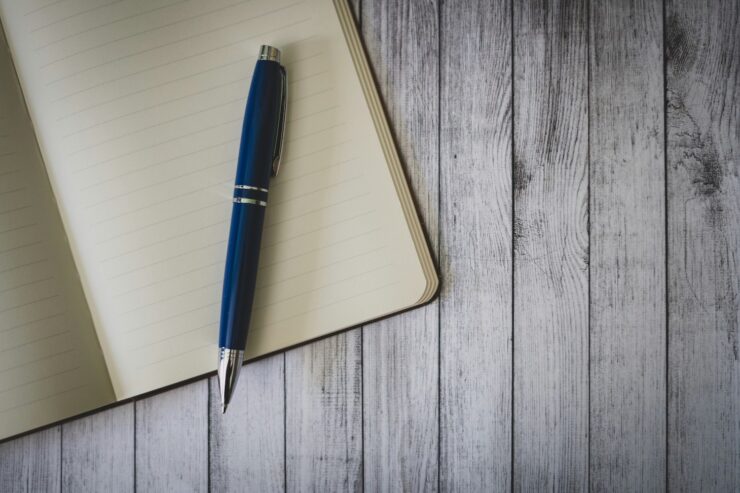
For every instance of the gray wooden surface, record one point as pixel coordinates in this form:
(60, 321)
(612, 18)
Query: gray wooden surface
(577, 166)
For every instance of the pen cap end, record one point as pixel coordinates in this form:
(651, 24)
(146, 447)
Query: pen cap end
(268, 52)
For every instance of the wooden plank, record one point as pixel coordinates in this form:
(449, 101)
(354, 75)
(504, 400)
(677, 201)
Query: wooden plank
(98, 451)
(550, 246)
(627, 268)
(324, 415)
(247, 446)
(400, 354)
(172, 440)
(31, 463)
(703, 139)
(475, 241)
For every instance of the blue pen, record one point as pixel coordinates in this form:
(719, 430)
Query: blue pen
(259, 159)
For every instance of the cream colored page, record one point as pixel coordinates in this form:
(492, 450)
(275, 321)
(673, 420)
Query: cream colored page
(50, 364)
(138, 107)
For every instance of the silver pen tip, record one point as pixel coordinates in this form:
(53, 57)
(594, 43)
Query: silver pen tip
(229, 365)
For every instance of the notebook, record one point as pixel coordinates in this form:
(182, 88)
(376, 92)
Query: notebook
(119, 129)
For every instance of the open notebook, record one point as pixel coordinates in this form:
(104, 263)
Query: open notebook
(116, 176)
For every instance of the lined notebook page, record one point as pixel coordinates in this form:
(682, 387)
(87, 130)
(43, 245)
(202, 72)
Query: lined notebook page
(138, 108)
(50, 364)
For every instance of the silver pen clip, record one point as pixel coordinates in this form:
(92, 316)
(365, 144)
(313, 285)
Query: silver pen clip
(281, 124)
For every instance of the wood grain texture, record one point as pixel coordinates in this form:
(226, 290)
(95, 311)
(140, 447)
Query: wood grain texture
(247, 444)
(627, 246)
(324, 415)
(550, 246)
(32, 463)
(703, 123)
(98, 451)
(172, 440)
(400, 355)
(475, 246)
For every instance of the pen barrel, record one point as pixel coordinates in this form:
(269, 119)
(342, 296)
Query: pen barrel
(261, 131)
(240, 278)
(259, 147)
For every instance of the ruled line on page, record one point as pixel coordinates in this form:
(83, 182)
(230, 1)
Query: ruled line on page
(18, 228)
(28, 303)
(34, 341)
(177, 60)
(25, 284)
(210, 108)
(72, 16)
(223, 223)
(179, 194)
(167, 279)
(157, 262)
(179, 235)
(189, 38)
(199, 348)
(132, 35)
(219, 281)
(47, 355)
(105, 24)
(41, 379)
(317, 308)
(45, 398)
(149, 324)
(198, 131)
(155, 125)
(151, 343)
(159, 144)
(321, 306)
(30, 322)
(42, 7)
(228, 122)
(163, 101)
(210, 324)
(199, 170)
(157, 86)
(159, 163)
(17, 267)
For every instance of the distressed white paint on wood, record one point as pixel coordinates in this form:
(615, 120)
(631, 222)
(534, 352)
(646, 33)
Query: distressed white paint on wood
(475, 246)
(703, 122)
(550, 246)
(400, 354)
(627, 268)
(98, 451)
(31, 463)
(323, 405)
(172, 440)
(247, 444)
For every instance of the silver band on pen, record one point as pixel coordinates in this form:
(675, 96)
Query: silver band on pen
(244, 200)
(248, 187)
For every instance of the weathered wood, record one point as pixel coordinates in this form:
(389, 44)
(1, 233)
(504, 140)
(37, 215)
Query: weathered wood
(172, 440)
(627, 247)
(98, 451)
(703, 138)
(247, 446)
(400, 355)
(550, 246)
(475, 246)
(323, 406)
(31, 463)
